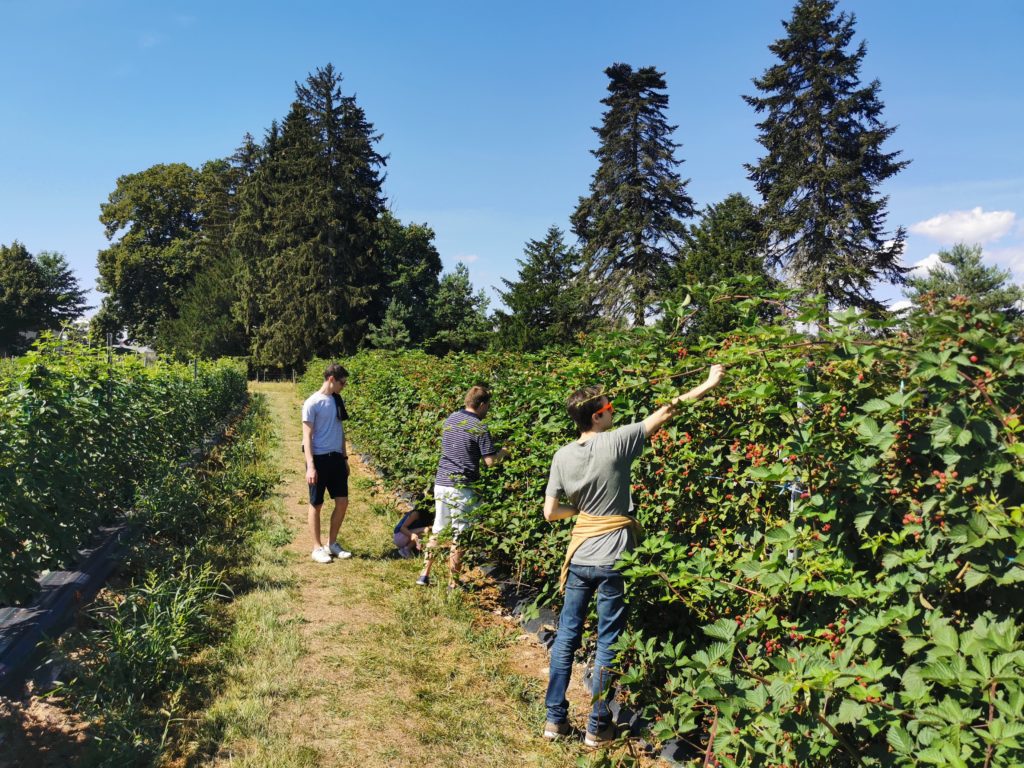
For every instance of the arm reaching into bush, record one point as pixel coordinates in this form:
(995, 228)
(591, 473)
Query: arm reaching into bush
(667, 412)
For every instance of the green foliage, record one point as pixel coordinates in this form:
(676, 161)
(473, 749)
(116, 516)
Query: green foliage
(81, 435)
(631, 222)
(393, 331)
(205, 326)
(823, 161)
(153, 220)
(411, 266)
(726, 244)
(460, 316)
(37, 293)
(138, 660)
(307, 230)
(962, 273)
(551, 302)
(831, 574)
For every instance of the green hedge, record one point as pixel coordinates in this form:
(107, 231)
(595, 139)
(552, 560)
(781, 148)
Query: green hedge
(832, 571)
(80, 434)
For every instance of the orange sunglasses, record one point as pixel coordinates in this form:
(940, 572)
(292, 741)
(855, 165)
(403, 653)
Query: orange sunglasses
(606, 407)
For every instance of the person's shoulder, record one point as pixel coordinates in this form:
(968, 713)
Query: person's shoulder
(314, 399)
(565, 450)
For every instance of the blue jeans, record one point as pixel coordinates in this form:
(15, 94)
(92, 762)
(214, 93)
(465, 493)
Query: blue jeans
(582, 583)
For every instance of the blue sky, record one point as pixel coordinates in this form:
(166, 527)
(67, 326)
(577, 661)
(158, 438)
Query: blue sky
(486, 109)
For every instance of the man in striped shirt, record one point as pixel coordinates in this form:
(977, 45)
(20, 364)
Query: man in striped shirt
(465, 441)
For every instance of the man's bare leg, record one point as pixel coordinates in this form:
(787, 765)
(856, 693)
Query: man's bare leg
(338, 517)
(314, 525)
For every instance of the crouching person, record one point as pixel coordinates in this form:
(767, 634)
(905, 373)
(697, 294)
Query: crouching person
(592, 474)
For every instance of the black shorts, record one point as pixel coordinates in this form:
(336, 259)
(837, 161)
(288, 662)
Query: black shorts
(332, 474)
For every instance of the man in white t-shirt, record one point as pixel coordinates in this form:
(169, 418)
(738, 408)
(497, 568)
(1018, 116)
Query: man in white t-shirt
(323, 444)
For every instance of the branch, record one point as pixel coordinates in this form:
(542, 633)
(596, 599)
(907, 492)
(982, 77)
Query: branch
(709, 753)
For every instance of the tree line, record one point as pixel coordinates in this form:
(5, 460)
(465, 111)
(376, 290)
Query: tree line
(287, 250)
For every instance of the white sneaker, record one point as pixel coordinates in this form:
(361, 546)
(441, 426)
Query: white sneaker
(335, 549)
(321, 555)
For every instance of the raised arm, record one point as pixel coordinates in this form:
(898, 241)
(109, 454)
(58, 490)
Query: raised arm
(667, 412)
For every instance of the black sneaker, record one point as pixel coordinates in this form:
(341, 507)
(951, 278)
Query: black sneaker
(423, 581)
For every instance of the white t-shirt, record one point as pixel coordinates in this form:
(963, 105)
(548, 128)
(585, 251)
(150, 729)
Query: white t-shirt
(328, 434)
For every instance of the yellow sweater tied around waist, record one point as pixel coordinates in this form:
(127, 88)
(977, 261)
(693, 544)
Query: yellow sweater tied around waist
(589, 526)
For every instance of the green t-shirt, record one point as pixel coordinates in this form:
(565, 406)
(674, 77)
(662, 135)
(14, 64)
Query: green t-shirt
(595, 477)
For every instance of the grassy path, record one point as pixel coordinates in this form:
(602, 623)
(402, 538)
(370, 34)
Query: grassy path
(350, 664)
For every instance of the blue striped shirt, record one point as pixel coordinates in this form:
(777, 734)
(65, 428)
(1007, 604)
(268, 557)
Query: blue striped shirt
(464, 440)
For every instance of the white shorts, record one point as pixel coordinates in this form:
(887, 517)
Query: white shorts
(450, 508)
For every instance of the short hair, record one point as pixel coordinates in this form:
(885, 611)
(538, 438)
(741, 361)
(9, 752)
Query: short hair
(477, 395)
(336, 371)
(583, 404)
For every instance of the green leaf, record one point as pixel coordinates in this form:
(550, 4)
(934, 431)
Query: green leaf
(899, 740)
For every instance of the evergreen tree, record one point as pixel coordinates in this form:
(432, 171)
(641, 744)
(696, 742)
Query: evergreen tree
(961, 272)
(250, 232)
(307, 230)
(724, 246)
(353, 171)
(297, 295)
(631, 224)
(460, 315)
(153, 220)
(550, 302)
(823, 138)
(410, 267)
(204, 326)
(393, 331)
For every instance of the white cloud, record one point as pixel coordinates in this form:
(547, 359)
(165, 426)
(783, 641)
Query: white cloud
(1011, 258)
(925, 265)
(469, 258)
(973, 226)
(899, 306)
(148, 41)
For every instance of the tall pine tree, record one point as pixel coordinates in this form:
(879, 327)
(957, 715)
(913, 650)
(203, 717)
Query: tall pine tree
(823, 136)
(631, 223)
(307, 230)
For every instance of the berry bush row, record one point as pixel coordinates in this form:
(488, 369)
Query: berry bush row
(80, 433)
(831, 574)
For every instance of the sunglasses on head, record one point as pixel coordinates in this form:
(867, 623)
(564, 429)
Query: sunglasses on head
(606, 407)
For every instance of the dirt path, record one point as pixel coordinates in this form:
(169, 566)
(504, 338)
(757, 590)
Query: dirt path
(350, 664)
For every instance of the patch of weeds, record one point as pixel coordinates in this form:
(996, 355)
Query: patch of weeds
(362, 482)
(387, 508)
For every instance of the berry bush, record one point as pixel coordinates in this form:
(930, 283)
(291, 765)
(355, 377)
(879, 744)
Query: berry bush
(80, 433)
(831, 574)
